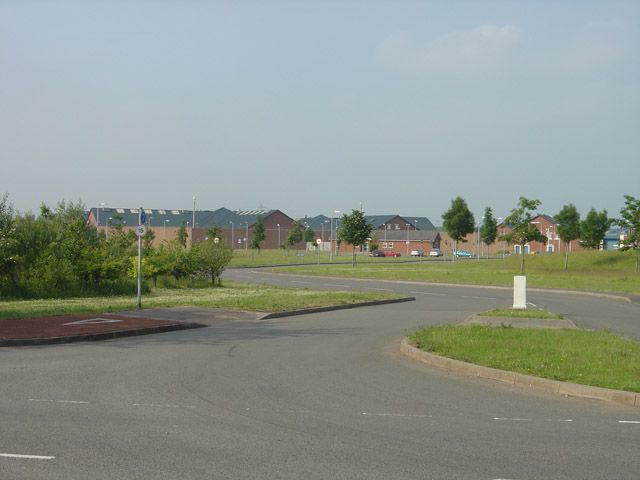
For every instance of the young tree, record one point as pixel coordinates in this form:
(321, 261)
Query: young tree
(631, 219)
(182, 235)
(212, 258)
(458, 222)
(489, 228)
(522, 230)
(355, 230)
(214, 232)
(259, 234)
(295, 234)
(8, 240)
(568, 227)
(593, 228)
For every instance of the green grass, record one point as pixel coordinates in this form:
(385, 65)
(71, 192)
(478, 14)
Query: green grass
(528, 313)
(248, 258)
(600, 359)
(596, 271)
(259, 298)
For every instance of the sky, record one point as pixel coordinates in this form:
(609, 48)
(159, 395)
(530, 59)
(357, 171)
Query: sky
(311, 107)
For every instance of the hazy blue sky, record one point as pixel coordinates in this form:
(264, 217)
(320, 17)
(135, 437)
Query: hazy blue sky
(315, 106)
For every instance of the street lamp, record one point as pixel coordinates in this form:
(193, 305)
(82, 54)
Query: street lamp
(232, 239)
(164, 228)
(246, 235)
(408, 225)
(336, 213)
(102, 204)
(278, 225)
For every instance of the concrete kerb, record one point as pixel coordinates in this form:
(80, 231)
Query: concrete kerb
(629, 399)
(92, 337)
(331, 308)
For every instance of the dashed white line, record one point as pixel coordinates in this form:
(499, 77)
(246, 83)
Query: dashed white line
(629, 421)
(478, 298)
(27, 457)
(429, 293)
(76, 402)
(397, 415)
(558, 420)
(157, 405)
(513, 419)
(378, 289)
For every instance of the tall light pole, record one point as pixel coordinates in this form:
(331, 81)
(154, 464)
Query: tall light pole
(232, 239)
(164, 229)
(246, 235)
(407, 239)
(278, 225)
(193, 219)
(102, 204)
(336, 213)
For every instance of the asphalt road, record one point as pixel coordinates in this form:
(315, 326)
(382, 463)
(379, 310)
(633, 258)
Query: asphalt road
(322, 396)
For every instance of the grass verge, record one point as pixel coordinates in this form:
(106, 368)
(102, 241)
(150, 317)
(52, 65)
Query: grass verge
(529, 313)
(604, 271)
(259, 298)
(600, 359)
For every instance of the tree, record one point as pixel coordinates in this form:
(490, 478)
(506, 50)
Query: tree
(458, 222)
(214, 232)
(182, 235)
(489, 228)
(8, 241)
(308, 235)
(212, 258)
(355, 230)
(631, 219)
(522, 230)
(258, 233)
(568, 227)
(295, 234)
(593, 228)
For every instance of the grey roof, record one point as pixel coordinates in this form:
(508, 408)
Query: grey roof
(158, 217)
(317, 223)
(403, 235)
(423, 223)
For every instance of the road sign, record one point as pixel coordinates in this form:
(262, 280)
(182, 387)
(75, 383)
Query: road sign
(143, 217)
(318, 241)
(216, 240)
(141, 230)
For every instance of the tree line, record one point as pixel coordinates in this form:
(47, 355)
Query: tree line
(58, 254)
(460, 222)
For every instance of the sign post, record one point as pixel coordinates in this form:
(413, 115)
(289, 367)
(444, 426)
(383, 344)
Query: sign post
(140, 231)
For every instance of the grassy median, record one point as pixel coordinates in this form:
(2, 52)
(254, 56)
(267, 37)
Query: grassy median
(594, 271)
(259, 298)
(600, 359)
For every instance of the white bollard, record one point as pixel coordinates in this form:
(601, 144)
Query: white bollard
(520, 292)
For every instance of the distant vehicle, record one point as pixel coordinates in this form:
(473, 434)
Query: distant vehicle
(435, 252)
(391, 253)
(416, 253)
(463, 254)
(377, 253)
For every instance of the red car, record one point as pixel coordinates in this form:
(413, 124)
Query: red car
(384, 253)
(391, 253)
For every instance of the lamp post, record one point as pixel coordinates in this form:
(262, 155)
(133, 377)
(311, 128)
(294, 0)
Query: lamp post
(278, 225)
(102, 204)
(246, 235)
(164, 228)
(232, 239)
(407, 239)
(504, 243)
(193, 219)
(336, 212)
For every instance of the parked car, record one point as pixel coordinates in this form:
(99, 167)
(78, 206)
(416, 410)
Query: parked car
(377, 253)
(391, 253)
(435, 252)
(463, 253)
(416, 253)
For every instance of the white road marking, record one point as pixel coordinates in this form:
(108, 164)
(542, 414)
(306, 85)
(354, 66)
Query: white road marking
(397, 415)
(513, 419)
(378, 289)
(77, 402)
(429, 293)
(27, 457)
(336, 285)
(478, 298)
(558, 420)
(629, 421)
(92, 321)
(156, 405)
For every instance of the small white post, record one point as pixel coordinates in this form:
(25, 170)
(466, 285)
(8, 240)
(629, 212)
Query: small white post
(520, 292)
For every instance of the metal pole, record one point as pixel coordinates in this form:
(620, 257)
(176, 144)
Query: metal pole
(139, 262)
(193, 219)
(246, 235)
(232, 239)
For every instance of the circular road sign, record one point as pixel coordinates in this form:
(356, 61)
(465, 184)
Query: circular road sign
(318, 241)
(141, 230)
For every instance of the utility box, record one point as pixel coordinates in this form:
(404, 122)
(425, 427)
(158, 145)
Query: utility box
(519, 292)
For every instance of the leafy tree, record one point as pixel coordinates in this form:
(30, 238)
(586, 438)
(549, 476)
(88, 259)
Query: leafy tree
(308, 235)
(214, 232)
(593, 228)
(295, 234)
(489, 228)
(458, 222)
(522, 230)
(212, 258)
(355, 230)
(8, 240)
(147, 241)
(631, 219)
(259, 234)
(182, 235)
(568, 227)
